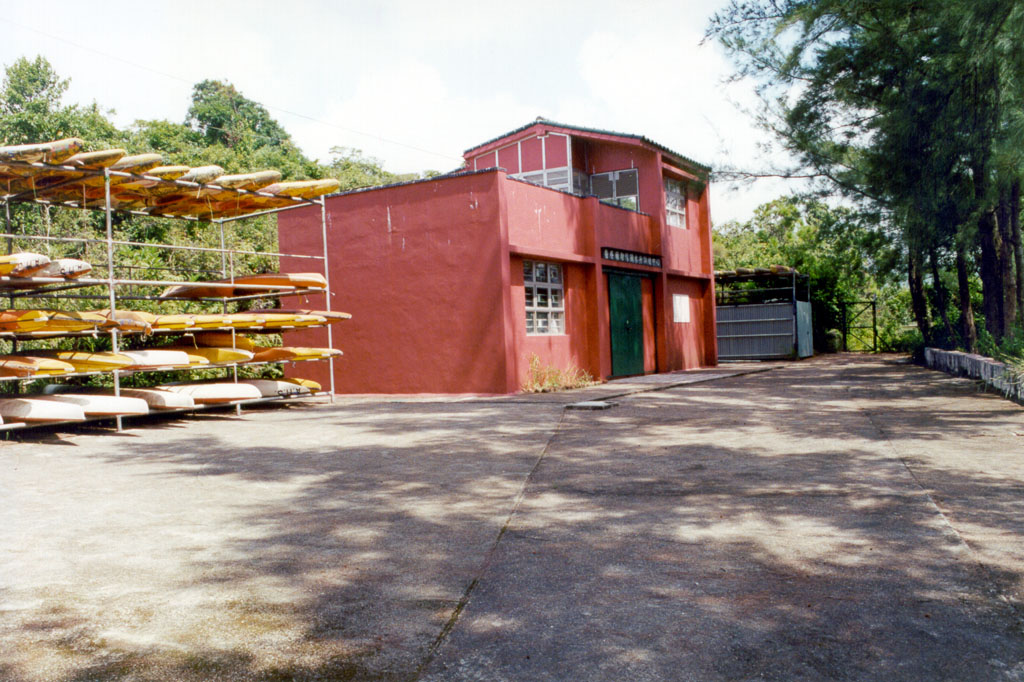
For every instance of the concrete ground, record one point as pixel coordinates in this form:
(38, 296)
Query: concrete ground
(840, 518)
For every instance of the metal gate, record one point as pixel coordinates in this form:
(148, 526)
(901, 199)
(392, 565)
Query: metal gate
(759, 331)
(860, 325)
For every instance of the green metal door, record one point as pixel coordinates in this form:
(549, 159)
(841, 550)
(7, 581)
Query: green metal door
(627, 324)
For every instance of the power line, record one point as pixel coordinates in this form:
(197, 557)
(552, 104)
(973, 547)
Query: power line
(188, 82)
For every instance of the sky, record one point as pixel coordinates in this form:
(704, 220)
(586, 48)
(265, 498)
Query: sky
(413, 83)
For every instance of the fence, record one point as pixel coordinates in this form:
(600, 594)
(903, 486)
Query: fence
(991, 372)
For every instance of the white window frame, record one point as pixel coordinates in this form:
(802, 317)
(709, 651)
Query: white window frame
(623, 200)
(544, 179)
(544, 287)
(675, 202)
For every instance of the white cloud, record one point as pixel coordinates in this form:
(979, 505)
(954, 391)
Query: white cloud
(405, 80)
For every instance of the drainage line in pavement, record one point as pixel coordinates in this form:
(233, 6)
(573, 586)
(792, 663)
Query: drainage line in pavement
(464, 601)
(985, 570)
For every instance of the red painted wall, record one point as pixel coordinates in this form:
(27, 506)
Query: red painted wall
(687, 341)
(546, 220)
(577, 347)
(508, 158)
(533, 154)
(556, 151)
(420, 267)
(647, 307)
(624, 229)
(688, 249)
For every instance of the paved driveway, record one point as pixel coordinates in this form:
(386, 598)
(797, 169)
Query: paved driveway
(843, 518)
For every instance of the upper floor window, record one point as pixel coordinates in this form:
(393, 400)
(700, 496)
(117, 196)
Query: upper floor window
(675, 202)
(621, 188)
(555, 178)
(545, 300)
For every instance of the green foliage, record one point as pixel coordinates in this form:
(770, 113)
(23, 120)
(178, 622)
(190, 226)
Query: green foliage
(545, 378)
(222, 127)
(846, 257)
(913, 111)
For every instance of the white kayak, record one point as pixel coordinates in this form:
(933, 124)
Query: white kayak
(212, 393)
(39, 410)
(63, 267)
(101, 405)
(160, 398)
(157, 358)
(273, 388)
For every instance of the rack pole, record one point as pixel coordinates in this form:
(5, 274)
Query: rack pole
(110, 279)
(7, 224)
(327, 291)
(10, 297)
(223, 254)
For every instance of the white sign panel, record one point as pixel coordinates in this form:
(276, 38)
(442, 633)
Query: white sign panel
(680, 308)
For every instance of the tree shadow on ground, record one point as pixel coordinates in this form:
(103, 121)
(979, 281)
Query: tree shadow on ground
(761, 527)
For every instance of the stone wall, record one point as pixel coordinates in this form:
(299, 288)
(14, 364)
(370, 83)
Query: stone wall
(991, 372)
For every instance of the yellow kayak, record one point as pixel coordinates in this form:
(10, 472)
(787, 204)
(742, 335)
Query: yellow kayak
(173, 322)
(313, 386)
(202, 174)
(292, 353)
(72, 321)
(214, 355)
(303, 189)
(245, 320)
(129, 320)
(26, 366)
(281, 320)
(331, 316)
(210, 321)
(224, 340)
(22, 320)
(247, 284)
(46, 152)
(250, 181)
(85, 361)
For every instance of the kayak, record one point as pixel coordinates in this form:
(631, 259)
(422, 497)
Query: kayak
(212, 393)
(159, 398)
(99, 404)
(224, 340)
(330, 316)
(45, 152)
(85, 361)
(292, 354)
(149, 359)
(247, 284)
(272, 388)
(22, 264)
(22, 320)
(39, 411)
(68, 268)
(27, 366)
(214, 355)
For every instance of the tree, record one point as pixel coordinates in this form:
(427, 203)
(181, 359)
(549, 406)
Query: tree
(903, 108)
(845, 257)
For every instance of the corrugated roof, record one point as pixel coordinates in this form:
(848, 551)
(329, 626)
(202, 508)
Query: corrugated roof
(596, 131)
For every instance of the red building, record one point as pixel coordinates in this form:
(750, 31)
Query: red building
(583, 247)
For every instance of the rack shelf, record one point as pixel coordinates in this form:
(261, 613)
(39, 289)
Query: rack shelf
(55, 184)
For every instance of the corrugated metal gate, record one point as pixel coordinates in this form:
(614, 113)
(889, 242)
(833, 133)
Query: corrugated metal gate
(758, 331)
(763, 315)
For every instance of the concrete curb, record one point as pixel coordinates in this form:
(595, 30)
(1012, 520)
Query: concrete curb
(992, 373)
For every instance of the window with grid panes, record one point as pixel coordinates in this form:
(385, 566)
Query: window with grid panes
(675, 203)
(545, 298)
(621, 188)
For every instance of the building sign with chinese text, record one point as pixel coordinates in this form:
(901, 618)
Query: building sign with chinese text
(631, 257)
